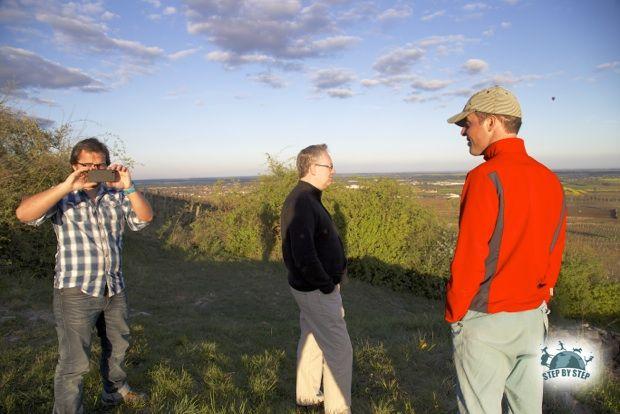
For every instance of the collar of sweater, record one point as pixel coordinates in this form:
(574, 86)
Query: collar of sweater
(506, 145)
(306, 187)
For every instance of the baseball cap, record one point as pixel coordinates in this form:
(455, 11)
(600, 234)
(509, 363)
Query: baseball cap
(495, 100)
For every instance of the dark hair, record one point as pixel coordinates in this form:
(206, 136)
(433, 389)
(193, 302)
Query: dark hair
(307, 156)
(89, 145)
(511, 124)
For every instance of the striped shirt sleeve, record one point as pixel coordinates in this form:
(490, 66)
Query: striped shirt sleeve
(40, 220)
(131, 217)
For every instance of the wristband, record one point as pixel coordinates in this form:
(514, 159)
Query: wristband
(129, 190)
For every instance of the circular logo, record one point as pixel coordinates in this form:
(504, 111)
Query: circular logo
(567, 359)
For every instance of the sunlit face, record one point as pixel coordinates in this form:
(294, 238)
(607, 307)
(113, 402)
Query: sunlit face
(323, 171)
(478, 136)
(91, 161)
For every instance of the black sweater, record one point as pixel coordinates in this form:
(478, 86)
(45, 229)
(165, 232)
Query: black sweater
(311, 247)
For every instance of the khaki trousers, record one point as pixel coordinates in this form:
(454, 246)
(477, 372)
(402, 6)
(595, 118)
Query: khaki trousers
(324, 352)
(497, 361)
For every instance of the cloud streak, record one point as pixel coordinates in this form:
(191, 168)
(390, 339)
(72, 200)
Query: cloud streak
(23, 69)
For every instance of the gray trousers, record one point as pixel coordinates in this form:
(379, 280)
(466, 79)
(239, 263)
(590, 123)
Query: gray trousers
(497, 361)
(76, 314)
(324, 352)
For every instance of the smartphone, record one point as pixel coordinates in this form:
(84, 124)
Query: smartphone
(102, 176)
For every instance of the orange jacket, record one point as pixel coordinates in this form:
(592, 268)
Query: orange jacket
(512, 229)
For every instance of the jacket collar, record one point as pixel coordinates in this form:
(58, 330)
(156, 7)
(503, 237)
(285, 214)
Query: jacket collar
(506, 145)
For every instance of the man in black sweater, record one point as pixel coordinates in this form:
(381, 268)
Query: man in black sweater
(314, 256)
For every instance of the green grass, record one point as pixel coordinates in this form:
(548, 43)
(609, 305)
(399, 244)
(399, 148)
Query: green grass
(221, 338)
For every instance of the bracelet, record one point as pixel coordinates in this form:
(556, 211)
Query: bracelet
(129, 190)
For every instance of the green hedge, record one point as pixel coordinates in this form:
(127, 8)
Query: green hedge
(390, 239)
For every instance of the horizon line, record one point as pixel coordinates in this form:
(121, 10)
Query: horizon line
(559, 170)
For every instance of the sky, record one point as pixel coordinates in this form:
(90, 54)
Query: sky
(206, 88)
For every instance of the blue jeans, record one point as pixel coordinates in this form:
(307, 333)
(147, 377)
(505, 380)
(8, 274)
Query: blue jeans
(76, 314)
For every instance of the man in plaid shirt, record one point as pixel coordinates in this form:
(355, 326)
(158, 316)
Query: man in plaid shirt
(89, 290)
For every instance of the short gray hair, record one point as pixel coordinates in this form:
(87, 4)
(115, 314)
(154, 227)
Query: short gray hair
(307, 156)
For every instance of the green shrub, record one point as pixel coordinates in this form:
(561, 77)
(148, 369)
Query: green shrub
(584, 289)
(31, 160)
(389, 238)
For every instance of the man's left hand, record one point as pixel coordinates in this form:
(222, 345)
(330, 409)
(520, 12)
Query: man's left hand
(124, 181)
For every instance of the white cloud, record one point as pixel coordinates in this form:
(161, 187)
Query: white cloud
(431, 16)
(232, 60)
(154, 3)
(330, 78)
(83, 34)
(269, 79)
(470, 7)
(391, 81)
(417, 98)
(398, 60)
(341, 93)
(401, 12)
(183, 53)
(108, 15)
(169, 10)
(430, 84)
(23, 69)
(474, 66)
(283, 31)
(609, 65)
(508, 78)
(451, 41)
(488, 33)
(505, 25)
(334, 82)
(363, 10)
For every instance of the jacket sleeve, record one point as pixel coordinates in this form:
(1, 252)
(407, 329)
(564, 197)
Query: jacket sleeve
(478, 216)
(556, 249)
(301, 236)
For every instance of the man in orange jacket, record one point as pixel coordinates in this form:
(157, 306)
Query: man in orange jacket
(507, 260)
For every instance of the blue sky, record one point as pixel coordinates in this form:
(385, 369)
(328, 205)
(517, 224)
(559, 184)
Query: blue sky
(206, 88)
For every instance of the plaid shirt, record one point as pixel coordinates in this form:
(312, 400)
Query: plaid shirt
(90, 238)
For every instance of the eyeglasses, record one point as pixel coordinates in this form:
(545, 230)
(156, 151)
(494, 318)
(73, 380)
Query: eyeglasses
(331, 167)
(100, 166)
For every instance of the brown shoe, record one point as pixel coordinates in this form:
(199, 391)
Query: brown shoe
(127, 395)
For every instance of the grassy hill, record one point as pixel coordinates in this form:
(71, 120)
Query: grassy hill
(221, 338)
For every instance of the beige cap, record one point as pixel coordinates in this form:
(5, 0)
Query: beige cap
(494, 100)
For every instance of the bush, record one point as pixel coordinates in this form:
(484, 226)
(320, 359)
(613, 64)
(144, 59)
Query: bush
(389, 238)
(31, 160)
(584, 290)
